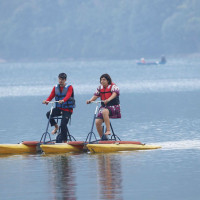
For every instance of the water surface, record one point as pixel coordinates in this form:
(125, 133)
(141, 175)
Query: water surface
(160, 105)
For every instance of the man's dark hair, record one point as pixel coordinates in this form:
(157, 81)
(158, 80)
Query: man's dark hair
(62, 76)
(107, 77)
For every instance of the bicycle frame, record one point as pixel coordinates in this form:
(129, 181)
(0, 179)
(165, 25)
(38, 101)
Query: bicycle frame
(47, 134)
(91, 133)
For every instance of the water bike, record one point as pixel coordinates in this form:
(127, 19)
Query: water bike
(23, 147)
(71, 146)
(48, 145)
(112, 144)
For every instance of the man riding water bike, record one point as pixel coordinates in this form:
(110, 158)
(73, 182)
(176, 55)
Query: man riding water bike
(64, 94)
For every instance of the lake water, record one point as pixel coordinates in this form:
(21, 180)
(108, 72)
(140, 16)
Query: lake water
(160, 105)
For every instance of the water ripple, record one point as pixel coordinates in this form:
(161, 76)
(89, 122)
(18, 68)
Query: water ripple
(183, 144)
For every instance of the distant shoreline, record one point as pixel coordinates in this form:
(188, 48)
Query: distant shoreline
(51, 60)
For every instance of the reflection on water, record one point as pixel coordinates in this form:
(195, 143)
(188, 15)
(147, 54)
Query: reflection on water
(110, 179)
(63, 177)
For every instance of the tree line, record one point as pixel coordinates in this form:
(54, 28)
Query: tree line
(98, 29)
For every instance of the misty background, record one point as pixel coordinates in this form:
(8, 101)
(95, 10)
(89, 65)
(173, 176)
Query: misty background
(36, 30)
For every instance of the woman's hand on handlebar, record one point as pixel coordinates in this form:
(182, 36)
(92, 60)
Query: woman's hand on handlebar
(106, 101)
(88, 101)
(91, 100)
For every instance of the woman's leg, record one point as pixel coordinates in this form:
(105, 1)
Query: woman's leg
(99, 126)
(106, 119)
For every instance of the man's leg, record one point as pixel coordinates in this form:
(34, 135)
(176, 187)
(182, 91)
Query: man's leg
(65, 119)
(55, 112)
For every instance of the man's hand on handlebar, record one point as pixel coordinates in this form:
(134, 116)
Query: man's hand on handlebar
(61, 101)
(45, 102)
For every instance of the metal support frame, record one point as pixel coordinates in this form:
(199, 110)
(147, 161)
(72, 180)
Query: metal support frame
(91, 133)
(46, 134)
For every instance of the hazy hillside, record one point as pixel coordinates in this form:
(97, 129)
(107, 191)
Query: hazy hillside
(98, 29)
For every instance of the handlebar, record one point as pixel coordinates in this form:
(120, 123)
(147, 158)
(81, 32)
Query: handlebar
(52, 102)
(96, 102)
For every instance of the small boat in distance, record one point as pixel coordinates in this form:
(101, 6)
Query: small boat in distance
(142, 61)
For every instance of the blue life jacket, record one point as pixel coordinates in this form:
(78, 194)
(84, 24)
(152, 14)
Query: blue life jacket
(70, 103)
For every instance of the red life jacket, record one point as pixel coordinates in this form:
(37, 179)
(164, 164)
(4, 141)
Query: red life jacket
(105, 93)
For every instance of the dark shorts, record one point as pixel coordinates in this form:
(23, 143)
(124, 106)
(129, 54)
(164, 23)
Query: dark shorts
(114, 112)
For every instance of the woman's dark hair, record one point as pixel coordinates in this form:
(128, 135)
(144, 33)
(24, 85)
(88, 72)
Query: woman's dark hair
(107, 77)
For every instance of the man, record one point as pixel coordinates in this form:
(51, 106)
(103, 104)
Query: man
(64, 94)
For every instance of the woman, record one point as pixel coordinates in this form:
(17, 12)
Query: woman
(110, 107)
